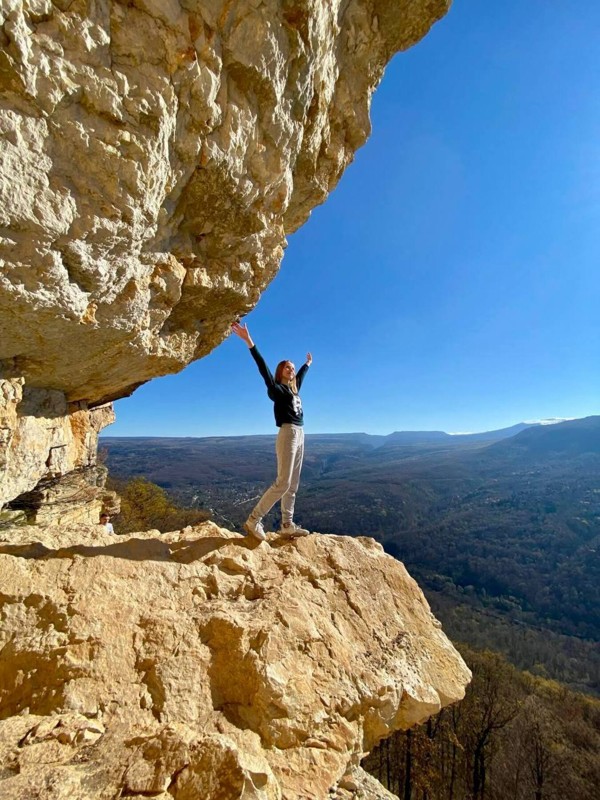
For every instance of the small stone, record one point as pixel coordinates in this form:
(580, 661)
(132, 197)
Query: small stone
(348, 783)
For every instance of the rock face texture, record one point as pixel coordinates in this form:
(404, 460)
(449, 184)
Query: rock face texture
(41, 435)
(153, 156)
(200, 664)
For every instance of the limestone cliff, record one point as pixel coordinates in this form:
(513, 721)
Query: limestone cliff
(200, 665)
(43, 435)
(153, 156)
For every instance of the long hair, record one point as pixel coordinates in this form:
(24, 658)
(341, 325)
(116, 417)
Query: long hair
(279, 376)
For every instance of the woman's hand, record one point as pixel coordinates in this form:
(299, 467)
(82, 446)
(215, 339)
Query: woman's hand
(243, 332)
(308, 359)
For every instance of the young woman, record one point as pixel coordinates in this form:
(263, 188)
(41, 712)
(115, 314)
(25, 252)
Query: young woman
(283, 391)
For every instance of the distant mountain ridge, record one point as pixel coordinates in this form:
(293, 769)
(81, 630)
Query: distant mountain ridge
(372, 440)
(422, 437)
(572, 437)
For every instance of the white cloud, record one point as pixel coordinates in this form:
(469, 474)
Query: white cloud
(549, 421)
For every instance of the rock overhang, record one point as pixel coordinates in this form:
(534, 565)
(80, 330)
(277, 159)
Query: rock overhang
(154, 156)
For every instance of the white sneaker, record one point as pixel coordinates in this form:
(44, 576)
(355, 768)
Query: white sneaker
(291, 529)
(255, 529)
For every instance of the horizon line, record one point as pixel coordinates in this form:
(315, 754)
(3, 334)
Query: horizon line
(531, 423)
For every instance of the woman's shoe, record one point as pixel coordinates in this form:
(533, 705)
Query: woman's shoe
(255, 529)
(291, 529)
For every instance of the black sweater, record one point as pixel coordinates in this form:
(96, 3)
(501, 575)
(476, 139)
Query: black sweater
(287, 405)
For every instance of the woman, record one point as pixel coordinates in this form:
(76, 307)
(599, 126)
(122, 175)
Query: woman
(283, 391)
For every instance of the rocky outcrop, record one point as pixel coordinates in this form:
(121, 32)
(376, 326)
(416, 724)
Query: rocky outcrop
(200, 664)
(43, 438)
(153, 157)
(154, 154)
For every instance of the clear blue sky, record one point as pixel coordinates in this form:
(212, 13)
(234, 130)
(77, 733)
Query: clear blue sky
(451, 281)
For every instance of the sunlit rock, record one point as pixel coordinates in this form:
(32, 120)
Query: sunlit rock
(42, 439)
(200, 664)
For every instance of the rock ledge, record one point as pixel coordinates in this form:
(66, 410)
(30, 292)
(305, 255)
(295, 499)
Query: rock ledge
(200, 664)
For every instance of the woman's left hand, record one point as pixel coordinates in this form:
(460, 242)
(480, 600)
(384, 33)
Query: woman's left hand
(308, 359)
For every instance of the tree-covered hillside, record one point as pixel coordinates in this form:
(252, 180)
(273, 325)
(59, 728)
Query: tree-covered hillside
(513, 737)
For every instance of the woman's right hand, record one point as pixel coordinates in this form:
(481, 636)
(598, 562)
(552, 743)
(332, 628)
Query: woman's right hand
(243, 332)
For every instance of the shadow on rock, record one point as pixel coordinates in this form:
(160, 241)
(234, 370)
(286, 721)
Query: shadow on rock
(183, 552)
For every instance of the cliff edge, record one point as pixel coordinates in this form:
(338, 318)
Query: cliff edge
(200, 664)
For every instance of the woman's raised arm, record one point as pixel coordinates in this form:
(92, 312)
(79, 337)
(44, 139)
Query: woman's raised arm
(243, 332)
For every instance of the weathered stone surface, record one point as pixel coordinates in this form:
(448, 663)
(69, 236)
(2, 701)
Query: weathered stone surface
(200, 664)
(78, 496)
(153, 157)
(42, 437)
(359, 785)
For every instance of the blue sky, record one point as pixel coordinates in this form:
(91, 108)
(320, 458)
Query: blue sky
(451, 280)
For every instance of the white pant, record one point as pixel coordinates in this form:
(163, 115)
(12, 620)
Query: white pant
(290, 452)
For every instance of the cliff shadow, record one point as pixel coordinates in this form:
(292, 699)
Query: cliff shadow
(184, 552)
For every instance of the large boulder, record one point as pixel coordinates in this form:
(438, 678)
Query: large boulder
(154, 154)
(200, 664)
